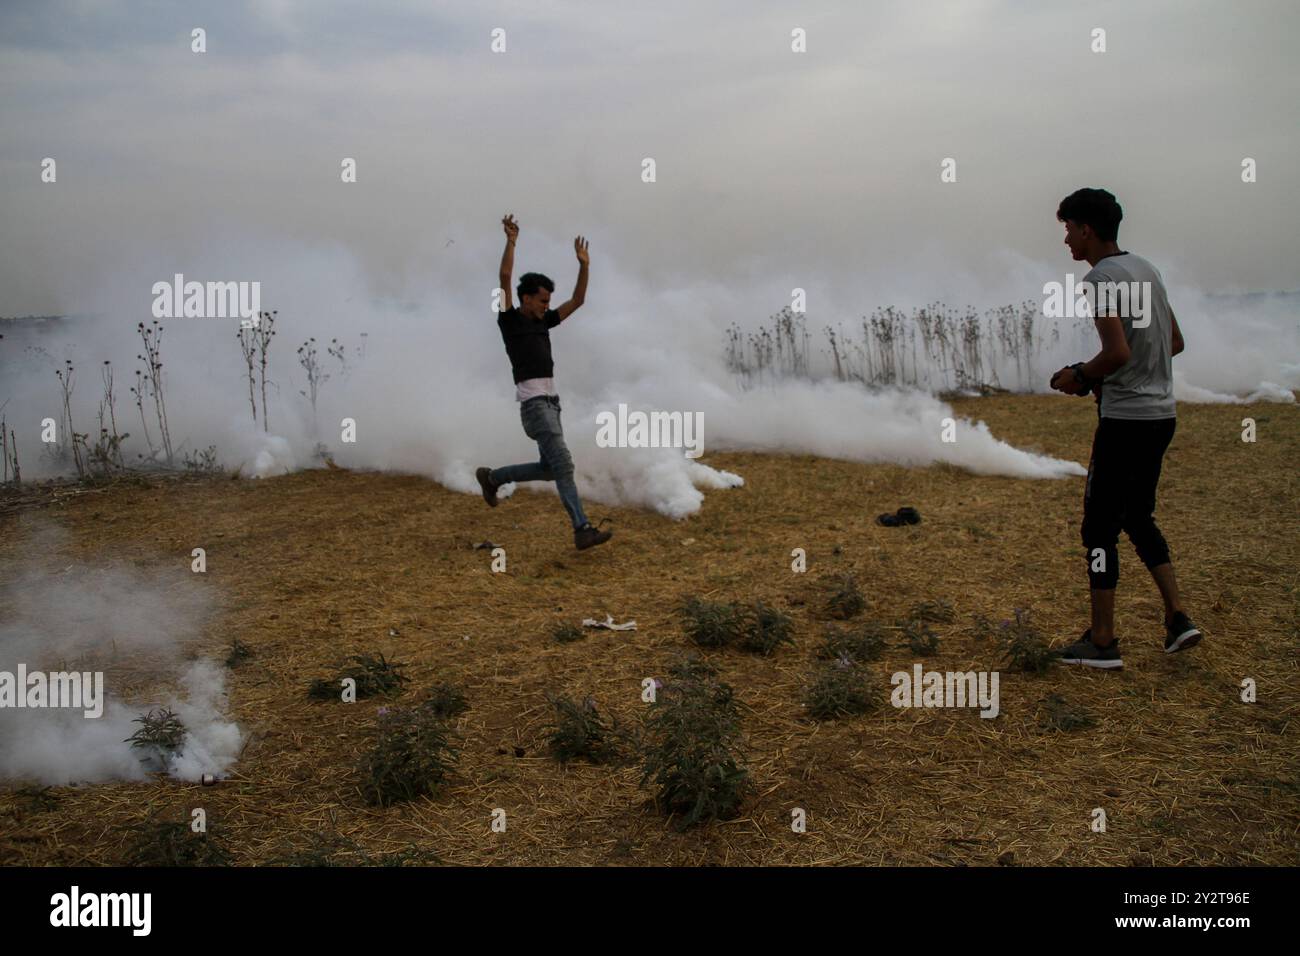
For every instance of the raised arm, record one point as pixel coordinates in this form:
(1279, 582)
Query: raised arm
(579, 290)
(508, 261)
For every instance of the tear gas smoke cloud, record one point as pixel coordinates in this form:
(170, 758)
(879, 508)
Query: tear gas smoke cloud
(136, 625)
(428, 383)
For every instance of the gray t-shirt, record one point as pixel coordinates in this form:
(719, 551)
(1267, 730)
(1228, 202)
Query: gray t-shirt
(1143, 388)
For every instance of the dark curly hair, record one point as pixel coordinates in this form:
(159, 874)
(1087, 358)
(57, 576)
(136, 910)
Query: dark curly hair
(530, 283)
(1093, 207)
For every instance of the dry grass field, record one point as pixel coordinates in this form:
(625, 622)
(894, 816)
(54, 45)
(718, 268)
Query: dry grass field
(314, 566)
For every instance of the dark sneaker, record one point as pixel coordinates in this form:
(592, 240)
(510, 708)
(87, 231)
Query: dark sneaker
(484, 476)
(1084, 652)
(588, 537)
(1181, 633)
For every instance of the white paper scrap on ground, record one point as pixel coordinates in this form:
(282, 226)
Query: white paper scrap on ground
(609, 624)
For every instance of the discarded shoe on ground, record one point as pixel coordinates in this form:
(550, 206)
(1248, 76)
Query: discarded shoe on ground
(900, 517)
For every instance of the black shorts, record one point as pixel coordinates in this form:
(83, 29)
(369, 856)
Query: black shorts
(1120, 495)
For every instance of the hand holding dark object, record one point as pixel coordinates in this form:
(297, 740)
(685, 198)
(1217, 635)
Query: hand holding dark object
(1066, 381)
(1071, 381)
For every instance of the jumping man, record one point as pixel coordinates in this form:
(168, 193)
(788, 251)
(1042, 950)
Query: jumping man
(526, 332)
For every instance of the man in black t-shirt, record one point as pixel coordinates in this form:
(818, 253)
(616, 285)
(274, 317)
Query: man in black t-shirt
(525, 330)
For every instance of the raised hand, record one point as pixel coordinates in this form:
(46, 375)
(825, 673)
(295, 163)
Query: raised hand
(580, 248)
(511, 227)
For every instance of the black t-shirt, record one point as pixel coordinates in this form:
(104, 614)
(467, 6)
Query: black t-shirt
(528, 343)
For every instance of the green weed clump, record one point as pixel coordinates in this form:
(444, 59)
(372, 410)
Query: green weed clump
(691, 667)
(1027, 648)
(840, 688)
(374, 674)
(711, 623)
(921, 639)
(865, 642)
(173, 843)
(845, 599)
(764, 629)
(446, 700)
(694, 754)
(160, 737)
(411, 755)
(755, 627)
(581, 733)
(982, 628)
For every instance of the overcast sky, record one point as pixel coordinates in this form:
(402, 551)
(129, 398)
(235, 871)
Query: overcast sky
(771, 165)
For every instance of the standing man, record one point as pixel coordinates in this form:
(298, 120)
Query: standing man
(526, 332)
(1132, 377)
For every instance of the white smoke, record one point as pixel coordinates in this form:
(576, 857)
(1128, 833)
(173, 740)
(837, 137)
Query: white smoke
(212, 743)
(1184, 391)
(428, 384)
(57, 614)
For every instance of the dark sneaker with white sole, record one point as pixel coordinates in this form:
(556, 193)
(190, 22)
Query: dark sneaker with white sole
(1181, 633)
(1088, 654)
(588, 537)
(484, 476)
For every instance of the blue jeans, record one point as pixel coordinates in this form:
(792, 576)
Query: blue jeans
(541, 420)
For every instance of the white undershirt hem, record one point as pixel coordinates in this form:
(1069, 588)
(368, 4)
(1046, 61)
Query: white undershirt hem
(533, 388)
